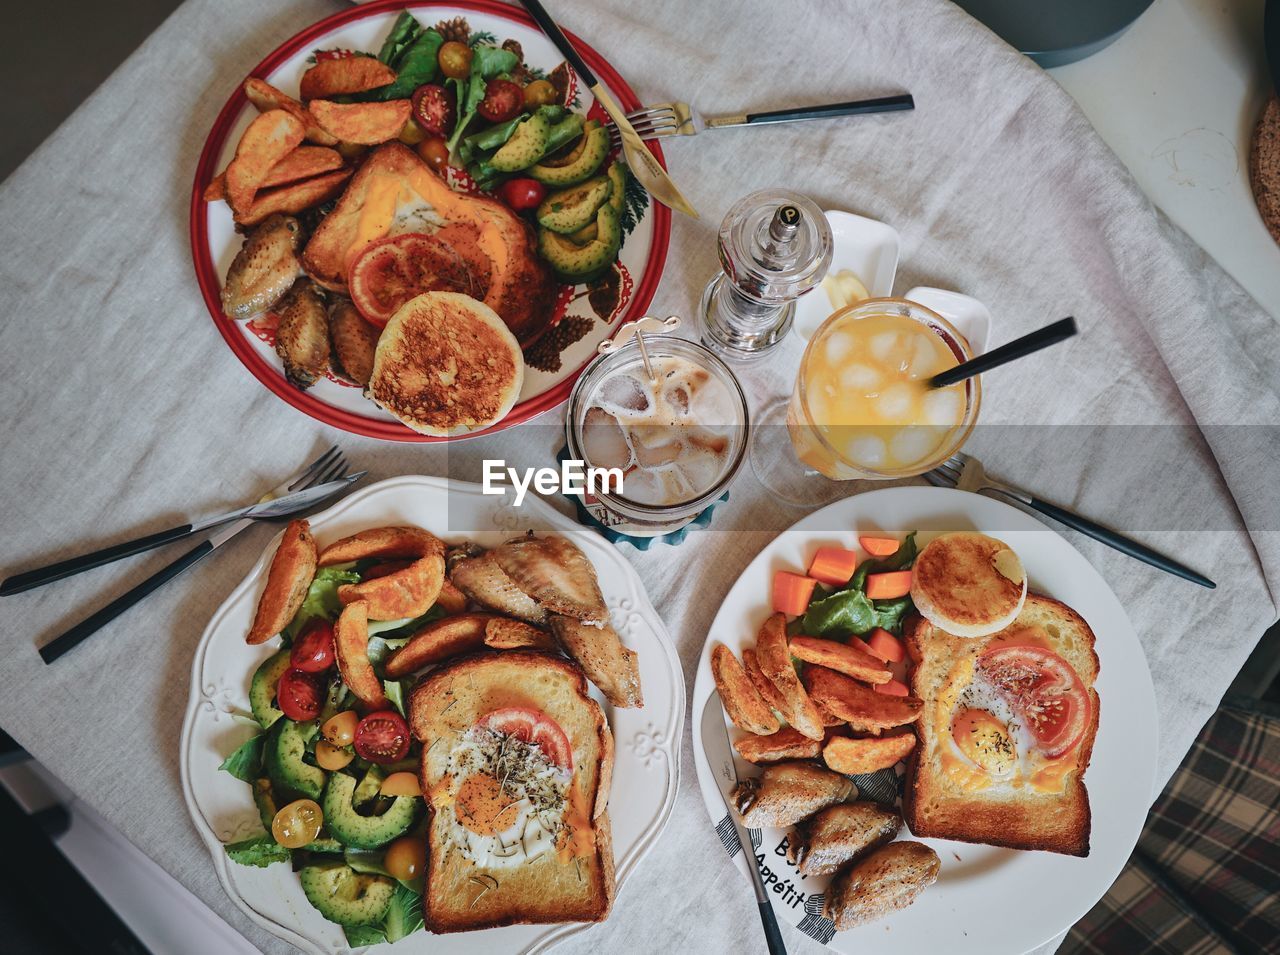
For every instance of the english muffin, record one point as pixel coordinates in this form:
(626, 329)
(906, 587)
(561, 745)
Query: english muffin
(968, 584)
(446, 364)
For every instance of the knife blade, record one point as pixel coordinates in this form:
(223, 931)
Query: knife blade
(719, 751)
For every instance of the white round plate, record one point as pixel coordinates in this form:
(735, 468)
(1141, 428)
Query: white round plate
(986, 900)
(646, 768)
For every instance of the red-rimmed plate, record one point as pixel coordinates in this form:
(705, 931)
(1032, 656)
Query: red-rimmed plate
(563, 353)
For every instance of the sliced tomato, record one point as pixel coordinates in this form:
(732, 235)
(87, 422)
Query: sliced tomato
(502, 100)
(313, 650)
(1044, 691)
(389, 272)
(435, 108)
(382, 737)
(300, 694)
(533, 727)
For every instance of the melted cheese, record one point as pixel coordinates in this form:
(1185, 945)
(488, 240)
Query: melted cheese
(579, 835)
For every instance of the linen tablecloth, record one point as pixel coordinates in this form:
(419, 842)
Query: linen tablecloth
(126, 410)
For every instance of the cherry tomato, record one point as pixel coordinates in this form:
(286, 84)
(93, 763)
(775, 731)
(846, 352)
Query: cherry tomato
(332, 757)
(435, 108)
(300, 694)
(434, 152)
(1043, 691)
(522, 194)
(406, 857)
(313, 650)
(502, 100)
(401, 784)
(340, 730)
(382, 737)
(455, 60)
(297, 823)
(540, 93)
(534, 727)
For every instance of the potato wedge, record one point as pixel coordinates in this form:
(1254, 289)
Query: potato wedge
(266, 97)
(342, 77)
(351, 647)
(764, 686)
(269, 138)
(503, 633)
(853, 756)
(355, 342)
(439, 640)
(406, 593)
(862, 707)
(741, 701)
(887, 880)
(292, 569)
(787, 743)
(295, 197)
(366, 124)
(775, 661)
(451, 599)
(389, 542)
(844, 657)
(829, 719)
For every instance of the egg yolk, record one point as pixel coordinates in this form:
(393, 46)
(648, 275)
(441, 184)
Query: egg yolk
(482, 807)
(985, 741)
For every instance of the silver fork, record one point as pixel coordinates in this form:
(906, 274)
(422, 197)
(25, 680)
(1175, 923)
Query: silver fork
(681, 119)
(966, 473)
(330, 466)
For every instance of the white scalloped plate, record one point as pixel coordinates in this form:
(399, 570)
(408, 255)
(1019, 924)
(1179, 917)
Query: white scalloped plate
(647, 766)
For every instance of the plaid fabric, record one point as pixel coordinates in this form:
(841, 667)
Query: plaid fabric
(1205, 877)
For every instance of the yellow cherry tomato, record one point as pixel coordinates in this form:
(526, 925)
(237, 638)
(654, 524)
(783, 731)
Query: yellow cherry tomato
(332, 757)
(455, 60)
(434, 152)
(340, 730)
(401, 784)
(406, 858)
(540, 93)
(297, 823)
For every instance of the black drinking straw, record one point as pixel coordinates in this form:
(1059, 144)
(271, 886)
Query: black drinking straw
(1018, 348)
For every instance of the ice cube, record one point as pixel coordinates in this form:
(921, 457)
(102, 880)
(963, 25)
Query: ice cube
(867, 450)
(678, 399)
(642, 487)
(884, 344)
(700, 470)
(656, 454)
(924, 356)
(896, 402)
(624, 393)
(839, 346)
(603, 443)
(862, 379)
(943, 407)
(914, 443)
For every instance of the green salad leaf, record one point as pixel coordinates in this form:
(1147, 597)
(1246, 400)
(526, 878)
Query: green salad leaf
(487, 62)
(360, 935)
(245, 764)
(259, 851)
(404, 917)
(394, 691)
(415, 65)
(321, 600)
(404, 31)
(848, 611)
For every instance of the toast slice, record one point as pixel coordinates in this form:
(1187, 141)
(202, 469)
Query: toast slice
(944, 799)
(514, 835)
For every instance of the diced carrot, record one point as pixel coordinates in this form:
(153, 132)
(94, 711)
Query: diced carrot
(889, 586)
(833, 565)
(879, 546)
(892, 688)
(791, 592)
(886, 646)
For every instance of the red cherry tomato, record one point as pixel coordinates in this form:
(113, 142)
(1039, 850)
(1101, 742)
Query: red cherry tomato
(502, 100)
(382, 737)
(300, 694)
(435, 108)
(1044, 692)
(313, 650)
(522, 194)
(534, 727)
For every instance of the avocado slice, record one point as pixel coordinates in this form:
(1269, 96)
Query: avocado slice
(580, 163)
(369, 787)
(364, 832)
(345, 896)
(262, 691)
(525, 147)
(282, 755)
(575, 262)
(568, 210)
(618, 198)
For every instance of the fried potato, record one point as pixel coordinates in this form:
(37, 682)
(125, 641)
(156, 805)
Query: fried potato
(829, 719)
(439, 640)
(451, 599)
(355, 343)
(266, 97)
(406, 593)
(853, 756)
(862, 707)
(269, 138)
(887, 880)
(383, 542)
(351, 647)
(341, 77)
(844, 657)
(366, 124)
(775, 661)
(764, 686)
(503, 633)
(741, 701)
(787, 743)
(292, 569)
(295, 197)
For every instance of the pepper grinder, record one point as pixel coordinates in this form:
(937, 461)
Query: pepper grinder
(775, 245)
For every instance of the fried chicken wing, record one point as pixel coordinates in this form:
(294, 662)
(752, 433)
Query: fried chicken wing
(264, 268)
(555, 573)
(788, 792)
(887, 880)
(823, 843)
(302, 336)
(481, 579)
(606, 662)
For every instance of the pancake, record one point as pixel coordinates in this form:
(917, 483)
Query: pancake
(968, 584)
(446, 364)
